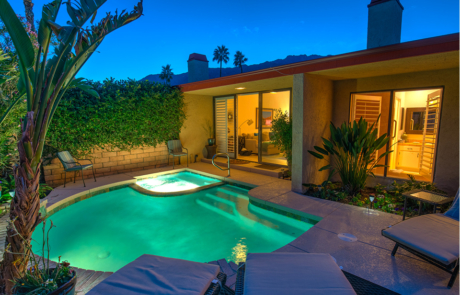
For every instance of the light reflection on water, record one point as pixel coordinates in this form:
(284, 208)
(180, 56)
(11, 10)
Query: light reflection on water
(240, 251)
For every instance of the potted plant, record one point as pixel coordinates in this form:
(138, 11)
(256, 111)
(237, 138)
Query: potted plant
(281, 136)
(45, 280)
(209, 129)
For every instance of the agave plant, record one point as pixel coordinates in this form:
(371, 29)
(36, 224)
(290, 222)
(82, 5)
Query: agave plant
(351, 151)
(44, 81)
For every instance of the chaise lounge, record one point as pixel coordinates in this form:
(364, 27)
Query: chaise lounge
(150, 274)
(432, 237)
(299, 273)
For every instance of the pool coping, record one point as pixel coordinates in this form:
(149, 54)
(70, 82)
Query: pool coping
(81, 196)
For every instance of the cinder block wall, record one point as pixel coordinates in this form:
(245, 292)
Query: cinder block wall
(112, 162)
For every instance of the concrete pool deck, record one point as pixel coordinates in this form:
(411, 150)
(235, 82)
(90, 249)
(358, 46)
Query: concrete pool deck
(369, 257)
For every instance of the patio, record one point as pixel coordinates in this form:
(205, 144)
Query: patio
(369, 257)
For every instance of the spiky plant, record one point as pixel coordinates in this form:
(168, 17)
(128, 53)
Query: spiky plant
(166, 73)
(351, 151)
(220, 55)
(44, 81)
(240, 60)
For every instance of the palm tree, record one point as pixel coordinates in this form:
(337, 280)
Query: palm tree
(166, 73)
(221, 55)
(44, 81)
(240, 60)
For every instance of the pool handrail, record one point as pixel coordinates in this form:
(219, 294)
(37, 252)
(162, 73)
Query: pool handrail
(228, 162)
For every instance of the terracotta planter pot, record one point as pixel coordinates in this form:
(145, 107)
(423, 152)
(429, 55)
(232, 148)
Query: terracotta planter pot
(68, 288)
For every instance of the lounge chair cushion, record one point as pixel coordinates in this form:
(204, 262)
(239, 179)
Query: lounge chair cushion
(294, 273)
(453, 210)
(158, 275)
(433, 235)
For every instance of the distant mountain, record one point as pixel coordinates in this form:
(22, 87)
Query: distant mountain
(214, 72)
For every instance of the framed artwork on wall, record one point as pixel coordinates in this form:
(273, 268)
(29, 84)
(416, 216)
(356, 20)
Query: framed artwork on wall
(267, 117)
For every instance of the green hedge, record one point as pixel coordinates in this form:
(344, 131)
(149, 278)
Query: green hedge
(129, 114)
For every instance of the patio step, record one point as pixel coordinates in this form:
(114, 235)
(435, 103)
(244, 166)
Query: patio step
(229, 268)
(250, 167)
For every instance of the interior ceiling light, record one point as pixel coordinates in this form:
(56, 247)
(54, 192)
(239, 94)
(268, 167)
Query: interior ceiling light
(273, 92)
(240, 88)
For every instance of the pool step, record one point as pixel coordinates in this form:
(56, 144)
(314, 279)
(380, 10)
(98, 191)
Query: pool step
(250, 167)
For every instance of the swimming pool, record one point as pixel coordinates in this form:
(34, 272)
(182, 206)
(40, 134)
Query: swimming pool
(108, 231)
(176, 182)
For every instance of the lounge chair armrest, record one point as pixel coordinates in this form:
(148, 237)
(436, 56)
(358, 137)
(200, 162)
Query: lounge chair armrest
(185, 149)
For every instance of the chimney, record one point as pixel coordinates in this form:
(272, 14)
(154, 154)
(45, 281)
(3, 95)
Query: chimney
(384, 23)
(197, 67)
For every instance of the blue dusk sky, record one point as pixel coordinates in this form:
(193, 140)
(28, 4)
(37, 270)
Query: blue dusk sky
(263, 30)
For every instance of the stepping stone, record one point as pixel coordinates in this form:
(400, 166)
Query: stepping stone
(234, 266)
(231, 280)
(225, 267)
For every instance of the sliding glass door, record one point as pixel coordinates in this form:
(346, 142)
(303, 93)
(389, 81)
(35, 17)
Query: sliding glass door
(244, 127)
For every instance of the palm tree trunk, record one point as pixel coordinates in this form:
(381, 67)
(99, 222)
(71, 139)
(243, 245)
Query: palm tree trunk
(241, 67)
(24, 212)
(220, 69)
(28, 5)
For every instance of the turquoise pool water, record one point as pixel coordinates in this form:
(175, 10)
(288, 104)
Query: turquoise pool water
(112, 229)
(176, 182)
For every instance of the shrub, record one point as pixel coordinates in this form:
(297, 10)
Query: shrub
(129, 114)
(282, 134)
(351, 151)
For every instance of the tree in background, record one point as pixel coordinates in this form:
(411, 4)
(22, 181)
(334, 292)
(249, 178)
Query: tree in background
(240, 60)
(221, 55)
(166, 74)
(29, 6)
(44, 81)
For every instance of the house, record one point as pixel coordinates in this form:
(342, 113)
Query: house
(414, 86)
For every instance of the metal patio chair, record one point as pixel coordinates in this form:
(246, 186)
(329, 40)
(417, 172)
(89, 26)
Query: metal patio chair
(70, 165)
(175, 149)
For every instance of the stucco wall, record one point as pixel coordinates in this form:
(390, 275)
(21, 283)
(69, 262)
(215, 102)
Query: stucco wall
(311, 112)
(447, 161)
(199, 108)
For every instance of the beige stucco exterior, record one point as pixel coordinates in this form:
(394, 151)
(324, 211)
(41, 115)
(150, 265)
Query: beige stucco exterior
(447, 160)
(198, 109)
(311, 114)
(317, 108)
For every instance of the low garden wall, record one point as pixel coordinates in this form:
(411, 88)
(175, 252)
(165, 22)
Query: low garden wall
(112, 162)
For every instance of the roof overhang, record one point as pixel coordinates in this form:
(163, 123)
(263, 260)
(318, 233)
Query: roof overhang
(421, 55)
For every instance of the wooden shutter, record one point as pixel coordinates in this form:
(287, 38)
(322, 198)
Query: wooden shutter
(368, 108)
(224, 126)
(221, 124)
(430, 134)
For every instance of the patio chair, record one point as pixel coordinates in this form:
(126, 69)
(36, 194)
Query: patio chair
(70, 165)
(299, 273)
(432, 237)
(150, 274)
(175, 149)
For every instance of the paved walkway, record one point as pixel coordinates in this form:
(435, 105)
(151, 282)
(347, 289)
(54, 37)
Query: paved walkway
(369, 257)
